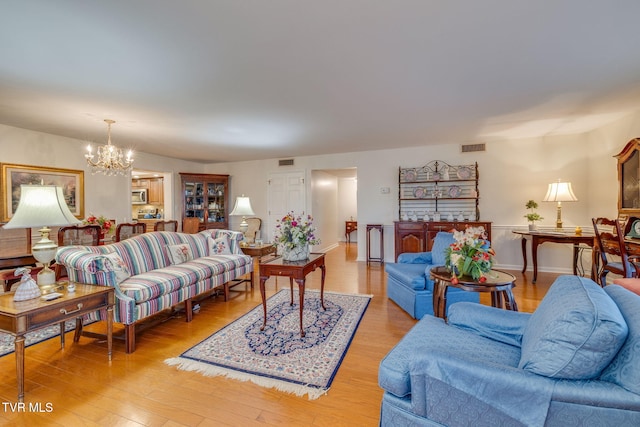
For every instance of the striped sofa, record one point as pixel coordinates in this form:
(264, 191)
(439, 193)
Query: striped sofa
(146, 281)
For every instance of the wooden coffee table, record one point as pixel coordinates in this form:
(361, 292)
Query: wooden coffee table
(19, 317)
(499, 283)
(295, 270)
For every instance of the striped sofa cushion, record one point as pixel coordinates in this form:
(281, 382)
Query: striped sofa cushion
(150, 285)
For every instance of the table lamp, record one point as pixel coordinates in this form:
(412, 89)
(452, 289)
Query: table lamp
(42, 206)
(242, 207)
(560, 192)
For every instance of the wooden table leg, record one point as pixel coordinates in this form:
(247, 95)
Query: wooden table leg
(109, 331)
(576, 251)
(62, 331)
(19, 348)
(264, 301)
(524, 254)
(291, 287)
(301, 294)
(439, 298)
(496, 299)
(509, 300)
(534, 256)
(322, 268)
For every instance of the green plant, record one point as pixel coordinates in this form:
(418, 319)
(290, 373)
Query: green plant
(533, 216)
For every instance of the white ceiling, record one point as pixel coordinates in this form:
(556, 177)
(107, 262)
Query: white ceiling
(215, 80)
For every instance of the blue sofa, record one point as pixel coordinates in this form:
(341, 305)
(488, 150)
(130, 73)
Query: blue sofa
(575, 361)
(409, 282)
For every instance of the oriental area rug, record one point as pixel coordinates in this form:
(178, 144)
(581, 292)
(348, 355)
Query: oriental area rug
(279, 357)
(30, 338)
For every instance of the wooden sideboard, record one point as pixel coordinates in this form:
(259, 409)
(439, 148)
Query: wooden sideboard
(417, 236)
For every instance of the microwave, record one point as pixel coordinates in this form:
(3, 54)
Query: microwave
(139, 196)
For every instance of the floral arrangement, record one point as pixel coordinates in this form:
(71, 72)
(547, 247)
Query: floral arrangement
(292, 231)
(470, 254)
(104, 223)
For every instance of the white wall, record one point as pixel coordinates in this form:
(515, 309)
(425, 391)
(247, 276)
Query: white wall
(511, 172)
(104, 195)
(347, 206)
(324, 201)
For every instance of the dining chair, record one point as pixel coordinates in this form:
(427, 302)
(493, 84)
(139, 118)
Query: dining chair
(126, 230)
(190, 225)
(171, 225)
(612, 252)
(87, 235)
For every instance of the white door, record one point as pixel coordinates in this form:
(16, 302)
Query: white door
(287, 193)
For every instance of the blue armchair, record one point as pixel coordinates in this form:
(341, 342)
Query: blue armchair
(409, 282)
(573, 362)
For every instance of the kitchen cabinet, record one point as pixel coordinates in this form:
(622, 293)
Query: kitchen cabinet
(205, 196)
(156, 191)
(140, 183)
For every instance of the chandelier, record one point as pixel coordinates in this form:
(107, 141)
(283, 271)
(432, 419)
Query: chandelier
(111, 159)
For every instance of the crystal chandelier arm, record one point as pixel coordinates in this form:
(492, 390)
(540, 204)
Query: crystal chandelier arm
(110, 159)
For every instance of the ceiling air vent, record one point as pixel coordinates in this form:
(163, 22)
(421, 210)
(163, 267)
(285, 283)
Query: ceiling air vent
(285, 162)
(469, 148)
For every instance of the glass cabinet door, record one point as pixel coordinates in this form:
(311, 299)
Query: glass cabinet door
(194, 200)
(216, 197)
(205, 198)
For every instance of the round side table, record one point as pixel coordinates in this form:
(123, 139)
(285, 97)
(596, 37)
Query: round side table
(499, 284)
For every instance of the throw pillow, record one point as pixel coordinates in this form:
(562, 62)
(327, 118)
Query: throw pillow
(113, 262)
(574, 333)
(179, 253)
(218, 246)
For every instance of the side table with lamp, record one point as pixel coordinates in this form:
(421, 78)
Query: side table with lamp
(23, 311)
(242, 207)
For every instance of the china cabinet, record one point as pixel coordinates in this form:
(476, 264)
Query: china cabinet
(432, 198)
(205, 196)
(438, 192)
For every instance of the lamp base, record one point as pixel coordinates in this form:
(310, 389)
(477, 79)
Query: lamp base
(46, 277)
(559, 217)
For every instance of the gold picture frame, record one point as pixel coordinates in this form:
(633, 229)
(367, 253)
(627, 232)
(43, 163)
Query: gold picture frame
(71, 181)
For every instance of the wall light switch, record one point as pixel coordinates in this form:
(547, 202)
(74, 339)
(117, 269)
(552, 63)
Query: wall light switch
(385, 190)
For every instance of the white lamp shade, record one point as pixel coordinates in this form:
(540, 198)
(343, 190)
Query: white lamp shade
(41, 205)
(242, 206)
(560, 192)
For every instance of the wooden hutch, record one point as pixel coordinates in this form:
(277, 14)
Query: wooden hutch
(433, 198)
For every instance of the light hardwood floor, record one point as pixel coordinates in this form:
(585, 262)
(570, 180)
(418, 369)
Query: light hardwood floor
(77, 386)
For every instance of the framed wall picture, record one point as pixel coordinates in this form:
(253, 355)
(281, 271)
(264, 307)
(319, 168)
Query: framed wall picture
(629, 178)
(13, 176)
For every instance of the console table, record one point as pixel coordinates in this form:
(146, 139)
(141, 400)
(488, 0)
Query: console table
(349, 227)
(540, 237)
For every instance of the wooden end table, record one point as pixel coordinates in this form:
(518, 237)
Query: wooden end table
(295, 270)
(19, 317)
(258, 251)
(499, 283)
